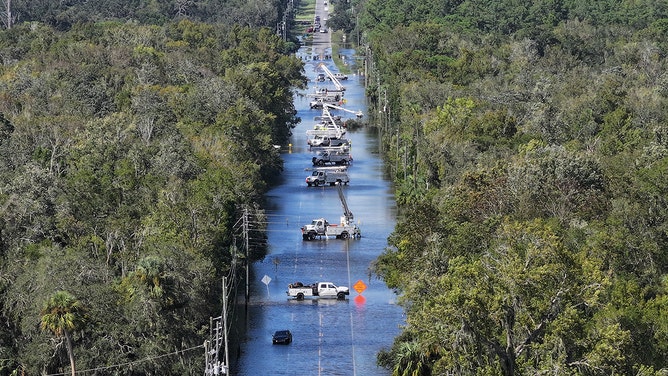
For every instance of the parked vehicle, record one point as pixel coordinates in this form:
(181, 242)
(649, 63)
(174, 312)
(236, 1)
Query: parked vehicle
(339, 76)
(281, 336)
(320, 228)
(331, 157)
(322, 176)
(318, 140)
(300, 291)
(332, 76)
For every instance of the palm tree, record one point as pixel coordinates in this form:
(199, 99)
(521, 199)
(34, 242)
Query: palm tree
(62, 314)
(150, 273)
(411, 360)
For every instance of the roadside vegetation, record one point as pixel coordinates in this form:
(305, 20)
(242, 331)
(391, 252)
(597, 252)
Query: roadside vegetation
(128, 151)
(529, 145)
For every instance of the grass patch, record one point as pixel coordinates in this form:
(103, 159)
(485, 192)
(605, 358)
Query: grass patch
(337, 42)
(303, 13)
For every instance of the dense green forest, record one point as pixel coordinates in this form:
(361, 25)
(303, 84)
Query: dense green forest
(63, 14)
(128, 152)
(529, 143)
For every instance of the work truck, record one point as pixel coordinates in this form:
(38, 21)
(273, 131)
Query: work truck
(331, 176)
(319, 228)
(325, 141)
(300, 291)
(332, 157)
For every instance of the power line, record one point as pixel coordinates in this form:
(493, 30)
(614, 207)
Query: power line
(131, 363)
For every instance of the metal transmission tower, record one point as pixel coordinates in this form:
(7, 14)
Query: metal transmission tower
(217, 341)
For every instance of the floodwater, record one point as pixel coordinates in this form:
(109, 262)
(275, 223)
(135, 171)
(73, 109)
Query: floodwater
(330, 337)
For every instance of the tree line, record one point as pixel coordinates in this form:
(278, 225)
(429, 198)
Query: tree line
(127, 154)
(528, 142)
(64, 14)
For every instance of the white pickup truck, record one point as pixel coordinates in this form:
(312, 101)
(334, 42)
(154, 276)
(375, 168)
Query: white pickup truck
(331, 176)
(319, 289)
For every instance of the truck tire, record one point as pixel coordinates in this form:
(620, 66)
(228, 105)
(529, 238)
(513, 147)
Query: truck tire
(344, 162)
(309, 184)
(344, 235)
(341, 296)
(316, 183)
(311, 235)
(300, 296)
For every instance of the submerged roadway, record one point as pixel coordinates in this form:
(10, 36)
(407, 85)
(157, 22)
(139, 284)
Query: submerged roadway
(330, 337)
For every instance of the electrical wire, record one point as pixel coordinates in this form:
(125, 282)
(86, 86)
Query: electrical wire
(130, 363)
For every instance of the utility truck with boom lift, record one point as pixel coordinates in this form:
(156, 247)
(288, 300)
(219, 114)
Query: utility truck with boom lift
(328, 175)
(333, 157)
(324, 96)
(320, 228)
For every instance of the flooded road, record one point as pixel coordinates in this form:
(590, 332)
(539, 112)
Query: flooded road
(330, 337)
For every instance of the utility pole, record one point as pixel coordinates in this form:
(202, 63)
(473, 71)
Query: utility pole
(246, 244)
(217, 339)
(227, 352)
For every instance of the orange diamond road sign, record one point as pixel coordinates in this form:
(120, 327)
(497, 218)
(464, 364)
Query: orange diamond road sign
(359, 286)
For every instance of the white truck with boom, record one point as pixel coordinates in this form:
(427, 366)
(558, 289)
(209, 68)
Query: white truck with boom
(320, 228)
(331, 176)
(326, 95)
(334, 78)
(332, 157)
(300, 291)
(325, 141)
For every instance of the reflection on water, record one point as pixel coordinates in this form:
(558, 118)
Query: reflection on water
(330, 337)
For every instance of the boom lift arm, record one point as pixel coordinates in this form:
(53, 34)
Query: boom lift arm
(331, 75)
(347, 214)
(357, 113)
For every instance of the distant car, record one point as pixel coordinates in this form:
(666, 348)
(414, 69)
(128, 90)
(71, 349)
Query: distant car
(324, 30)
(281, 336)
